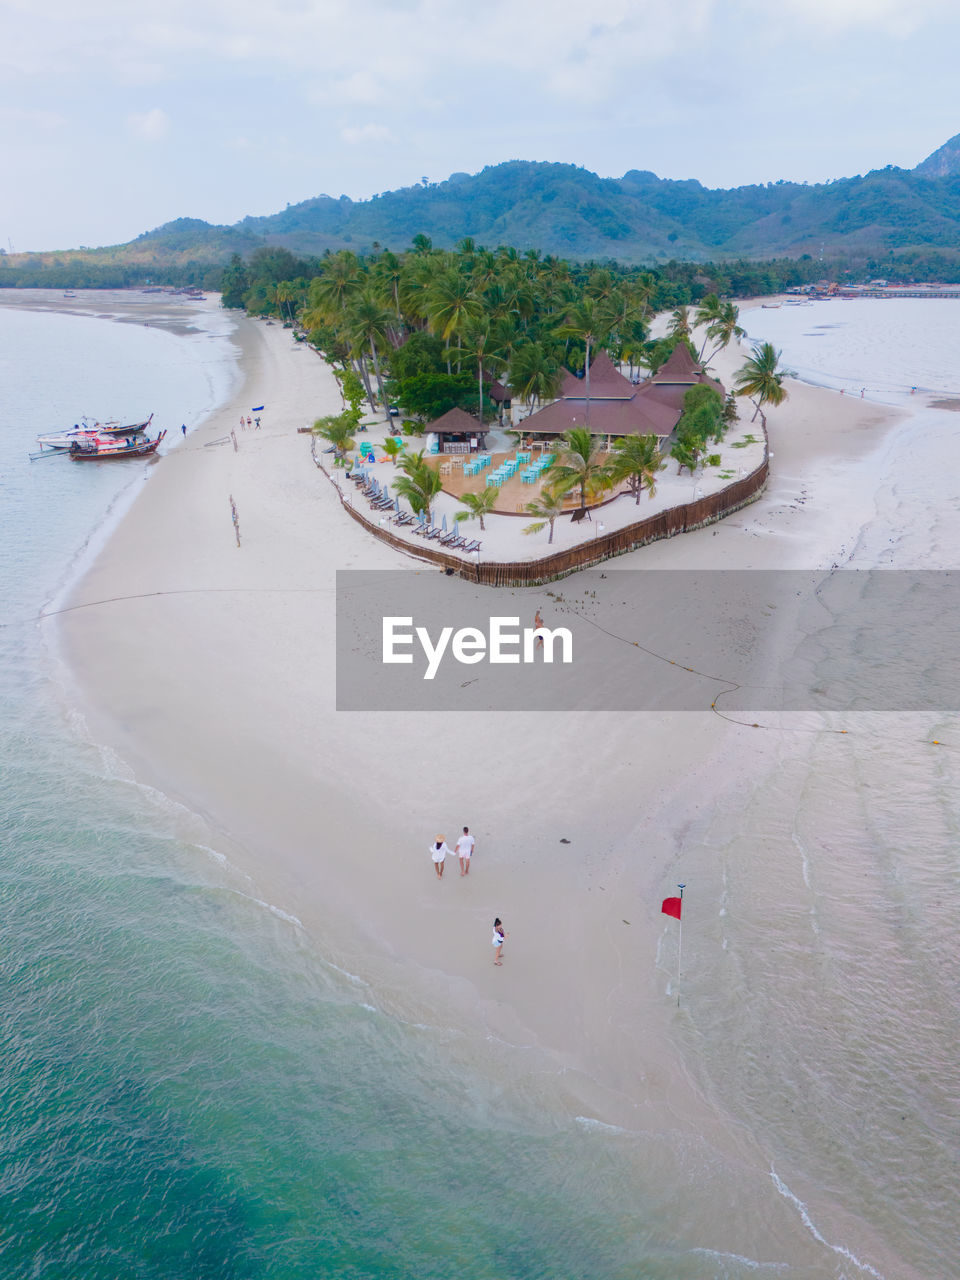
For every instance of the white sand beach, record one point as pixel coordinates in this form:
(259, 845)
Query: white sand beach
(209, 668)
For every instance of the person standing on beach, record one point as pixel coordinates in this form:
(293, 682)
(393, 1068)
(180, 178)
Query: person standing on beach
(256, 423)
(538, 623)
(465, 851)
(438, 851)
(499, 934)
(183, 428)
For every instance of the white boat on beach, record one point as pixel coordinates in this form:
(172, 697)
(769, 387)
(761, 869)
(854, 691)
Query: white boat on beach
(60, 441)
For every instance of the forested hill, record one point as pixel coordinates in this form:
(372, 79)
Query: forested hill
(910, 217)
(573, 213)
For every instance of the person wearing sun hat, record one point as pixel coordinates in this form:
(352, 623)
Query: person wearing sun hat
(438, 851)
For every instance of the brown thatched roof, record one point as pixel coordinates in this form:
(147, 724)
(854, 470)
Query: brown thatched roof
(676, 376)
(617, 407)
(456, 422)
(679, 366)
(638, 416)
(606, 382)
(500, 394)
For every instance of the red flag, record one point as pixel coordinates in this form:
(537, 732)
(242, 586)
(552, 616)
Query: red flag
(671, 907)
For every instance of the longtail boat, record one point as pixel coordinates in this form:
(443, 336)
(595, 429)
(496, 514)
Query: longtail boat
(115, 429)
(106, 448)
(62, 440)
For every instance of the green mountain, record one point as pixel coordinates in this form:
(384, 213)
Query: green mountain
(571, 212)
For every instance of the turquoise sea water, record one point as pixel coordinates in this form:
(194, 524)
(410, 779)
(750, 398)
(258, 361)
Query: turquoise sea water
(186, 1088)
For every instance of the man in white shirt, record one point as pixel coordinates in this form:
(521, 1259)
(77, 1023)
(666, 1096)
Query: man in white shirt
(465, 851)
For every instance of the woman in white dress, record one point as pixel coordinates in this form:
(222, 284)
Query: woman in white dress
(438, 851)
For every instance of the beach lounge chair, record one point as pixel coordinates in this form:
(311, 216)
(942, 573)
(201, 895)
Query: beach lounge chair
(472, 547)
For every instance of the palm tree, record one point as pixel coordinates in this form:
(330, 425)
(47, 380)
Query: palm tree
(392, 448)
(367, 322)
(451, 303)
(589, 322)
(679, 326)
(581, 465)
(637, 459)
(339, 279)
(478, 505)
(419, 485)
(483, 340)
(721, 320)
(706, 314)
(601, 284)
(547, 508)
(286, 295)
(533, 374)
(686, 453)
(338, 430)
(387, 273)
(761, 379)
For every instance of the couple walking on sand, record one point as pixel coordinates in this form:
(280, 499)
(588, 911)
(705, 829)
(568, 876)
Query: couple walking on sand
(439, 851)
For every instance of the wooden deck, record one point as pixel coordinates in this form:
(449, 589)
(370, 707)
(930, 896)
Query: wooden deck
(513, 494)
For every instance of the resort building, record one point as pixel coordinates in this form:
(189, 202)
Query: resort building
(616, 407)
(456, 431)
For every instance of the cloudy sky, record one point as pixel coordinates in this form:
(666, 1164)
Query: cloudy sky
(118, 116)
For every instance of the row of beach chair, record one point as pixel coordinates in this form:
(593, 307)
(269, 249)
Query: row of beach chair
(381, 501)
(450, 538)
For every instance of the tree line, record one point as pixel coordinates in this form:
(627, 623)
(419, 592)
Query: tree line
(431, 329)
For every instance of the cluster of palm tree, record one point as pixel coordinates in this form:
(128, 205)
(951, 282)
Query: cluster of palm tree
(521, 317)
(497, 314)
(584, 465)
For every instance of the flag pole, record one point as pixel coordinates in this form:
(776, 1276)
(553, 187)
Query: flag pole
(681, 887)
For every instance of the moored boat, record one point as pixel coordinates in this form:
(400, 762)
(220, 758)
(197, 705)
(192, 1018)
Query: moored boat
(106, 448)
(64, 439)
(131, 428)
(58, 441)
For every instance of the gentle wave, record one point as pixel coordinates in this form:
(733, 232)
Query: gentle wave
(807, 1221)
